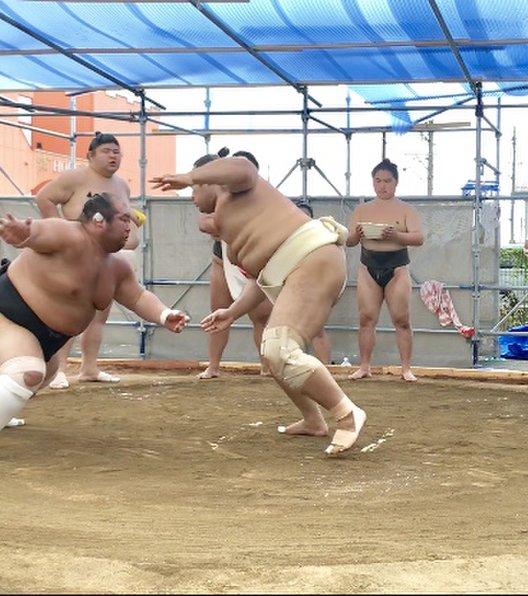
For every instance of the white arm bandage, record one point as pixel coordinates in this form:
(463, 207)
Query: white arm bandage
(164, 315)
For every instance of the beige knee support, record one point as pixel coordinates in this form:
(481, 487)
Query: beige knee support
(27, 371)
(283, 347)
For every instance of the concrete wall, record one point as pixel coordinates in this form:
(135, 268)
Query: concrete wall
(175, 265)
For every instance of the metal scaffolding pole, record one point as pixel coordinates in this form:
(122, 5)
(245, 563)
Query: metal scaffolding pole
(477, 228)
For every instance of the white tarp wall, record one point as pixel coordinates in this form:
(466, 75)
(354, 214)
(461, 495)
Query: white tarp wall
(177, 259)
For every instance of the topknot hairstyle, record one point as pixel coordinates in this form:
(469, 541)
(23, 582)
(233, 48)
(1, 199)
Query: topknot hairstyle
(249, 156)
(224, 152)
(102, 138)
(98, 207)
(386, 164)
(201, 161)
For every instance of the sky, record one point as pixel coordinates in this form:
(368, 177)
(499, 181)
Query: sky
(453, 150)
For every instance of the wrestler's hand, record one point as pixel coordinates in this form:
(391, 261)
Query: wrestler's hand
(15, 231)
(172, 181)
(174, 320)
(219, 320)
(390, 233)
(360, 232)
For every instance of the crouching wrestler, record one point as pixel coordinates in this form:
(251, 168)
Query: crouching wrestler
(49, 293)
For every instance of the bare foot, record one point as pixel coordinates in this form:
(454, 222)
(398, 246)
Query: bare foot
(209, 373)
(360, 373)
(348, 429)
(265, 372)
(59, 381)
(408, 376)
(302, 428)
(99, 377)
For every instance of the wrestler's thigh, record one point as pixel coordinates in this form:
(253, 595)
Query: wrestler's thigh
(261, 313)
(310, 291)
(398, 294)
(369, 294)
(220, 296)
(52, 367)
(16, 341)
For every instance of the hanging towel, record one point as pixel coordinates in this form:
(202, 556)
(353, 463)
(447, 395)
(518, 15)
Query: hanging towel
(436, 297)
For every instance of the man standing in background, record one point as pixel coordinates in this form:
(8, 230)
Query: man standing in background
(69, 191)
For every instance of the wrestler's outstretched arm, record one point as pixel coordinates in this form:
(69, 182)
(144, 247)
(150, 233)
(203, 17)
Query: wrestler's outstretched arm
(233, 173)
(171, 181)
(131, 294)
(250, 297)
(14, 231)
(41, 235)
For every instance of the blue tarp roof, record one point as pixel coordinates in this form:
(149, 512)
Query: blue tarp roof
(386, 51)
(76, 45)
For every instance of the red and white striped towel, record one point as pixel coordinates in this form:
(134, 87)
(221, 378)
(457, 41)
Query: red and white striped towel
(436, 297)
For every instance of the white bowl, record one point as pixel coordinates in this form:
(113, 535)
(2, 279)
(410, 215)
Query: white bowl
(372, 231)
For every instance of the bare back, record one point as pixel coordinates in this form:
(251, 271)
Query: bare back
(255, 223)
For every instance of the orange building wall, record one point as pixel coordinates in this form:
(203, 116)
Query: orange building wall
(32, 159)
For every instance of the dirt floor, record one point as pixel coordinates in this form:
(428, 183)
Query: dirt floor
(164, 483)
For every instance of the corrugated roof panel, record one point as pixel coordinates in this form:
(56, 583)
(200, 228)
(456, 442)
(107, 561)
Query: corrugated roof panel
(87, 25)
(56, 72)
(369, 65)
(485, 19)
(302, 42)
(493, 63)
(289, 22)
(219, 68)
